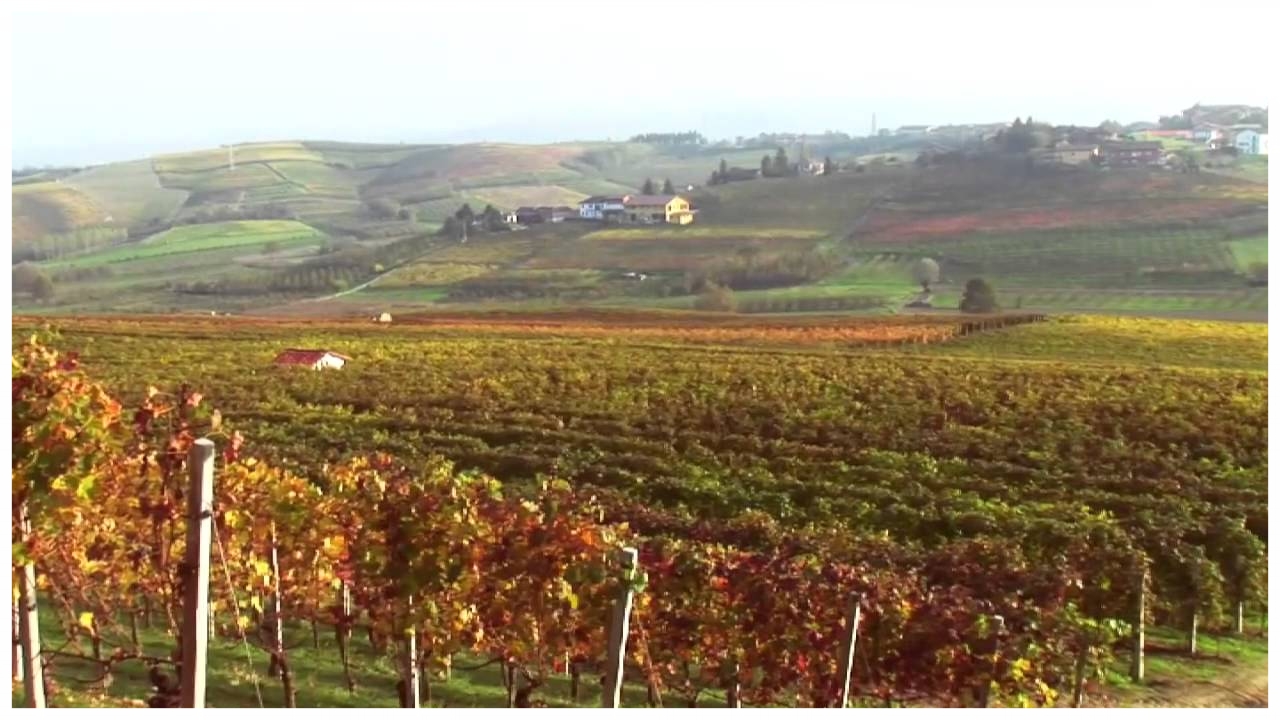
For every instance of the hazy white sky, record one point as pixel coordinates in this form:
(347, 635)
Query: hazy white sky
(98, 85)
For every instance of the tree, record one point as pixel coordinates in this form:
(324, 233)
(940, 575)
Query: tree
(979, 297)
(451, 229)
(724, 168)
(465, 214)
(781, 165)
(828, 166)
(647, 188)
(492, 220)
(927, 272)
(766, 166)
(383, 207)
(668, 188)
(716, 298)
(30, 279)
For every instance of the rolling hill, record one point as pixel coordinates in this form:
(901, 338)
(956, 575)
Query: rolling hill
(1145, 241)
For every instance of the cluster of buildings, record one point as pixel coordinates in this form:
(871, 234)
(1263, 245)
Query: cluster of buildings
(637, 209)
(621, 209)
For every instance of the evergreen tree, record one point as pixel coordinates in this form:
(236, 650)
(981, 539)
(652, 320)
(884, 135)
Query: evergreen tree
(668, 188)
(647, 188)
(828, 166)
(766, 166)
(724, 168)
(465, 214)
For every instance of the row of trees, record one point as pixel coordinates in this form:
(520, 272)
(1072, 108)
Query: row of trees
(689, 137)
(29, 279)
(458, 225)
(648, 188)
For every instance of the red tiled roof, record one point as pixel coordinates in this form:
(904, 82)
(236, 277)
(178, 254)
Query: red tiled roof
(295, 356)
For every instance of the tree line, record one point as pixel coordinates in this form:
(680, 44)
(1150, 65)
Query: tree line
(688, 137)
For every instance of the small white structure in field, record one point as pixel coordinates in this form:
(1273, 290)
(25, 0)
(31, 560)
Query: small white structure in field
(314, 359)
(383, 318)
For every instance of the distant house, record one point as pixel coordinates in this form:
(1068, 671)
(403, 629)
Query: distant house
(601, 207)
(1206, 133)
(314, 359)
(1250, 142)
(813, 167)
(382, 318)
(657, 209)
(1067, 154)
(913, 130)
(526, 215)
(1172, 134)
(556, 214)
(1149, 152)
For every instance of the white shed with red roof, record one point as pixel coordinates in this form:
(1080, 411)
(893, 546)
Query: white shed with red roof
(314, 359)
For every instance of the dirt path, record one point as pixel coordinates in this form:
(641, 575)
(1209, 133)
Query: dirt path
(1243, 688)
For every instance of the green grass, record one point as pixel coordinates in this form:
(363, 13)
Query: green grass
(318, 676)
(1249, 251)
(245, 235)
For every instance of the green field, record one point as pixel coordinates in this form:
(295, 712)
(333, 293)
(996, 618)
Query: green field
(246, 235)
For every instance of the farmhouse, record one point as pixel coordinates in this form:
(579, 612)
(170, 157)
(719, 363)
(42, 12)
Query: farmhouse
(1206, 133)
(657, 209)
(556, 214)
(1070, 154)
(1133, 153)
(314, 359)
(526, 215)
(601, 207)
(1250, 142)
(382, 318)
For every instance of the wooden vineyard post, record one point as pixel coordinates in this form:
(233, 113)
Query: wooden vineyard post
(410, 665)
(195, 602)
(278, 655)
(1192, 645)
(1077, 688)
(29, 623)
(343, 632)
(1137, 666)
(848, 645)
(618, 626)
(17, 647)
(733, 688)
(984, 696)
(510, 677)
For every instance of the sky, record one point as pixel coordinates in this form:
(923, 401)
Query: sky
(97, 85)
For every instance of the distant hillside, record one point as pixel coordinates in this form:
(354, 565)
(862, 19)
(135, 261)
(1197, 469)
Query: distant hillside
(308, 227)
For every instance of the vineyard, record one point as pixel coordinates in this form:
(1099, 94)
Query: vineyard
(969, 527)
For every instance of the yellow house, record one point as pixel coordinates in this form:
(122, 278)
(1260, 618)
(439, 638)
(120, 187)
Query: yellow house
(656, 209)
